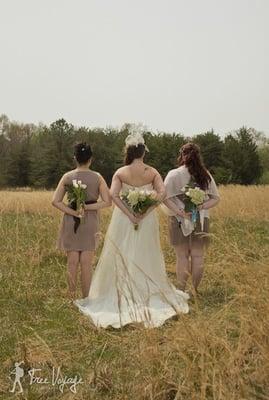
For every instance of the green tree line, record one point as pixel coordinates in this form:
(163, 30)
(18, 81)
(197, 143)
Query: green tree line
(38, 155)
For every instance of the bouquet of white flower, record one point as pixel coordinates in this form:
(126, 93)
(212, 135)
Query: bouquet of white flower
(193, 197)
(76, 195)
(139, 201)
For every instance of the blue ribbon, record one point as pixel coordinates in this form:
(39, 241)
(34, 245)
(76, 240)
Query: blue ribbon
(194, 215)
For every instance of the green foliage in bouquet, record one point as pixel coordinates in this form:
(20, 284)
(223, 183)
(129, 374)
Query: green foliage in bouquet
(192, 198)
(139, 200)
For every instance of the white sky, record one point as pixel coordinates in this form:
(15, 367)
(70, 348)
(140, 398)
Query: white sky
(174, 65)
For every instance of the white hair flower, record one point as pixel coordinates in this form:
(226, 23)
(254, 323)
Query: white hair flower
(135, 137)
(134, 140)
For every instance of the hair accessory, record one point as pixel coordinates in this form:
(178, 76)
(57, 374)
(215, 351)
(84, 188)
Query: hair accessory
(135, 138)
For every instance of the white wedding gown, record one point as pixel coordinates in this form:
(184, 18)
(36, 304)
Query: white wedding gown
(130, 282)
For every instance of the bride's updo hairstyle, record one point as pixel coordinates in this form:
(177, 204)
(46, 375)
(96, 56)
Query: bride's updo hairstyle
(135, 146)
(132, 152)
(190, 156)
(82, 152)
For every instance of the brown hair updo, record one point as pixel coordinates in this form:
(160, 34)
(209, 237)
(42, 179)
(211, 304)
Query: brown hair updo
(82, 152)
(132, 152)
(190, 156)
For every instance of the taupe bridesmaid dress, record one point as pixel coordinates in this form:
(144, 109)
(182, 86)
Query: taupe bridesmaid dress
(85, 237)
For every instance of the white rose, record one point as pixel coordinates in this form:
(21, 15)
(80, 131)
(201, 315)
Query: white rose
(133, 197)
(142, 195)
(197, 195)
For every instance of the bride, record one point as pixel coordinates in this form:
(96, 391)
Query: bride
(130, 283)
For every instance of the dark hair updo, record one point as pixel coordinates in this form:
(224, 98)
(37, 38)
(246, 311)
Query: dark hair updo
(83, 152)
(190, 156)
(133, 152)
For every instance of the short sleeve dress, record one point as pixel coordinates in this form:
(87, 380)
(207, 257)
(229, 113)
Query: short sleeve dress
(84, 239)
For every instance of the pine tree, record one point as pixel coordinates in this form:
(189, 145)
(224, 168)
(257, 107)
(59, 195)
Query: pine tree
(242, 158)
(54, 155)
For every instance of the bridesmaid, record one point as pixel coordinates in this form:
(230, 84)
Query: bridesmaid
(80, 243)
(189, 244)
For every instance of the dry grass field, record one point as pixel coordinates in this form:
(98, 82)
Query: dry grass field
(219, 351)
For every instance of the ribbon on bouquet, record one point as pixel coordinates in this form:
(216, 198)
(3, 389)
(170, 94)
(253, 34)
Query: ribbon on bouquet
(73, 205)
(194, 214)
(202, 219)
(188, 225)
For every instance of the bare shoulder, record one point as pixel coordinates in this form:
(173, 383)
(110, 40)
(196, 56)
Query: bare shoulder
(121, 172)
(151, 170)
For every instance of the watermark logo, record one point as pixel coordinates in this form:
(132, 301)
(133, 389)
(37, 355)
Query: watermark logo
(37, 378)
(18, 371)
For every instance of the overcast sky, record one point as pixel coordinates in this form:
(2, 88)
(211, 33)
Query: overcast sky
(174, 65)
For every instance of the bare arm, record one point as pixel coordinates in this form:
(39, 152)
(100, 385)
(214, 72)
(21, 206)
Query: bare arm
(158, 185)
(57, 200)
(115, 194)
(211, 202)
(105, 196)
(178, 211)
(213, 195)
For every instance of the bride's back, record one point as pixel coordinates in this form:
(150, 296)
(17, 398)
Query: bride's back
(137, 174)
